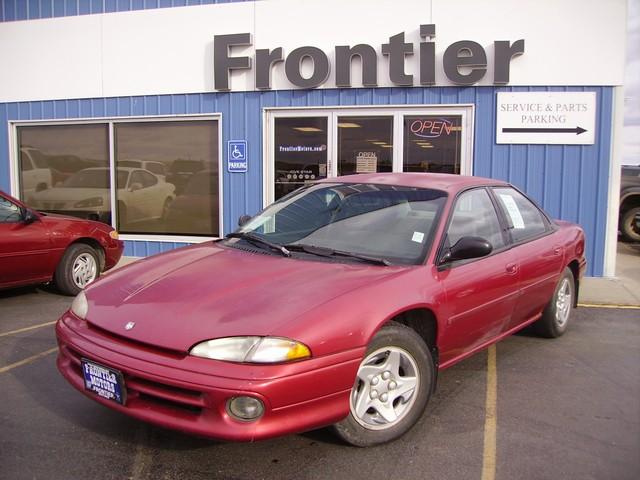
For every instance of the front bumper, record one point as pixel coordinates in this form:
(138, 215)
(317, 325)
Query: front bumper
(190, 394)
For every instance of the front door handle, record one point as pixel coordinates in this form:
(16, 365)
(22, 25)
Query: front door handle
(512, 268)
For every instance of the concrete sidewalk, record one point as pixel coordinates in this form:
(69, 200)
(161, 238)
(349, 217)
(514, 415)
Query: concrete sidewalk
(623, 290)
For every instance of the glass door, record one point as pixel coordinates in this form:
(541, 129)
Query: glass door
(300, 152)
(365, 144)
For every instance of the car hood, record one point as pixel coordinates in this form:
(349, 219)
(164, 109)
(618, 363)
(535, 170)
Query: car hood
(68, 194)
(189, 295)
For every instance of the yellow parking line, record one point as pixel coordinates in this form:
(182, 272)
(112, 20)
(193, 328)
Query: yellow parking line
(490, 418)
(595, 305)
(27, 360)
(26, 329)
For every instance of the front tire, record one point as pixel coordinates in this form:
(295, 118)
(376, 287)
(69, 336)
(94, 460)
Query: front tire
(556, 315)
(78, 267)
(391, 390)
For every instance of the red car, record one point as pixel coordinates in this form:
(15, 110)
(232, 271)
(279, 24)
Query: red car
(38, 248)
(338, 304)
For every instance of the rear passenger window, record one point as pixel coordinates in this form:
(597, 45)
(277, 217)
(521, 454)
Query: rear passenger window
(524, 218)
(475, 216)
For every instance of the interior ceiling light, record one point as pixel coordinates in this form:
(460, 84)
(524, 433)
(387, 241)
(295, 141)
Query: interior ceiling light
(386, 146)
(308, 129)
(379, 143)
(348, 125)
(426, 146)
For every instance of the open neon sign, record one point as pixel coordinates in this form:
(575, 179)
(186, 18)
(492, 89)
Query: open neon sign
(431, 128)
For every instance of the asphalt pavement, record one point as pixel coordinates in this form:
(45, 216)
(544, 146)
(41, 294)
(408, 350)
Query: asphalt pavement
(564, 408)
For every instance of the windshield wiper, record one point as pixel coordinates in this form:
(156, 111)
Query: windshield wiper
(329, 252)
(259, 241)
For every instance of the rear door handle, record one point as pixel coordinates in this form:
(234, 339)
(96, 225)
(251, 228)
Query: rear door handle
(512, 268)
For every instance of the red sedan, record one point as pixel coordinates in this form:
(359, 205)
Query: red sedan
(338, 304)
(39, 248)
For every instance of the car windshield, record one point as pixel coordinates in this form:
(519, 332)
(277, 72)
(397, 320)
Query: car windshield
(393, 223)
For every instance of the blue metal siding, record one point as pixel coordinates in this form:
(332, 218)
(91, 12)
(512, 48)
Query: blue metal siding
(12, 10)
(569, 181)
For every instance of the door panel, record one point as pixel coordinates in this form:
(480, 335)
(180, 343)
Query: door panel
(24, 249)
(480, 297)
(480, 293)
(540, 264)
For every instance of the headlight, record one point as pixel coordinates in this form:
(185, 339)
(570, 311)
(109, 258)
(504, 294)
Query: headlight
(79, 307)
(252, 350)
(89, 202)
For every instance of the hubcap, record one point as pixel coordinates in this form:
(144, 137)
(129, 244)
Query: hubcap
(563, 303)
(385, 388)
(84, 270)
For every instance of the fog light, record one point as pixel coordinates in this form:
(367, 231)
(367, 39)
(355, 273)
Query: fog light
(245, 408)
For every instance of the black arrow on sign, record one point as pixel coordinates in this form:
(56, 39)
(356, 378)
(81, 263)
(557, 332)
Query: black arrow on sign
(577, 130)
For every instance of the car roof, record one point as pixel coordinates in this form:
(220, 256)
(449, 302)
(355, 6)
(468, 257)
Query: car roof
(439, 181)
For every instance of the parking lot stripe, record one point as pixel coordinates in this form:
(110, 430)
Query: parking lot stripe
(27, 360)
(594, 305)
(26, 329)
(490, 418)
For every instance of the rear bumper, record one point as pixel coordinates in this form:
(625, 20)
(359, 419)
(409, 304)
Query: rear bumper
(176, 392)
(113, 253)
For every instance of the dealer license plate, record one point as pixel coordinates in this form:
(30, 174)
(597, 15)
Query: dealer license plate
(103, 381)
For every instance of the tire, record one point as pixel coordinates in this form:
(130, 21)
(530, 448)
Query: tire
(556, 315)
(383, 405)
(122, 216)
(79, 266)
(165, 208)
(627, 226)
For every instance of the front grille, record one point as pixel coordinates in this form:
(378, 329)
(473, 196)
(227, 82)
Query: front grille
(148, 391)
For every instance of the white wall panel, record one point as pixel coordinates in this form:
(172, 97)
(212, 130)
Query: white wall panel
(567, 42)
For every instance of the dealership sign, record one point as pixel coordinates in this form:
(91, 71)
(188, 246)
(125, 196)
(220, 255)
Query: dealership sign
(566, 118)
(464, 62)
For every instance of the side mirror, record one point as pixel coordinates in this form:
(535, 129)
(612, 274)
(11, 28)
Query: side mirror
(135, 186)
(29, 216)
(243, 220)
(467, 248)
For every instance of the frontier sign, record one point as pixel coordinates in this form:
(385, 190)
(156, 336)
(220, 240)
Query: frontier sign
(464, 62)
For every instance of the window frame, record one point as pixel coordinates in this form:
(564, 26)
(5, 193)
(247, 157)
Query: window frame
(14, 163)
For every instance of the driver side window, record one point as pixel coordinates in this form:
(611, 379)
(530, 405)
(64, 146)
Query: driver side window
(9, 212)
(475, 216)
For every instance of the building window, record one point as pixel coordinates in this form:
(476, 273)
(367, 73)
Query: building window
(317, 142)
(432, 143)
(167, 177)
(165, 172)
(65, 169)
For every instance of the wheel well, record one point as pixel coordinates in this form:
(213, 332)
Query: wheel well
(96, 246)
(424, 323)
(574, 266)
(629, 202)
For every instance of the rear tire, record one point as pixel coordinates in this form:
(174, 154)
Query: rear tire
(556, 315)
(627, 227)
(391, 389)
(79, 266)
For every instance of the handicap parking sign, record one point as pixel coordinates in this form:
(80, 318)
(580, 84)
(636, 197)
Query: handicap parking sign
(237, 156)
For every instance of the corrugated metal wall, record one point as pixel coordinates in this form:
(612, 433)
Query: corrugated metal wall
(569, 181)
(12, 10)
